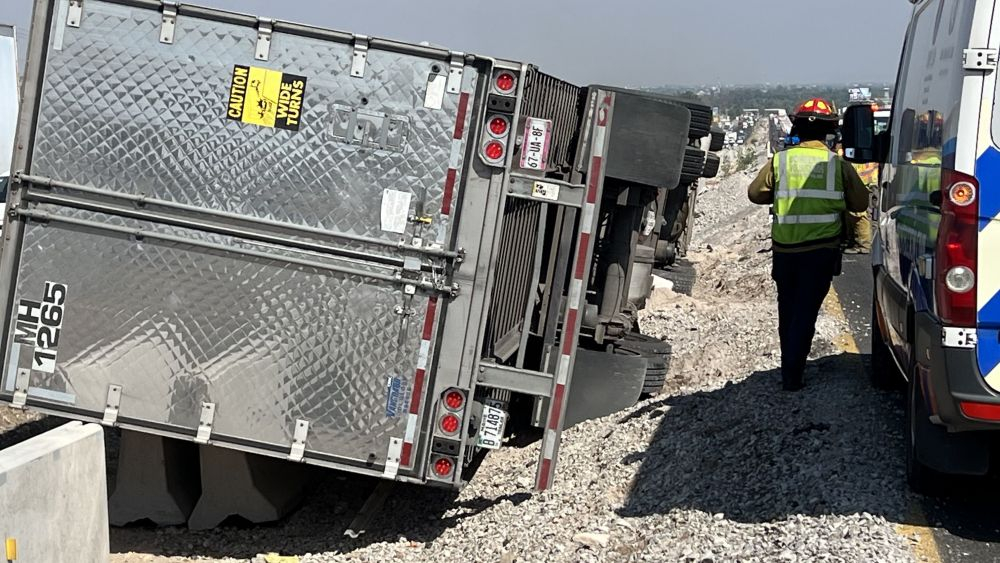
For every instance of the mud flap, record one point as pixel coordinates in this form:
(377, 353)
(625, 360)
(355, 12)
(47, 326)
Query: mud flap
(603, 384)
(953, 453)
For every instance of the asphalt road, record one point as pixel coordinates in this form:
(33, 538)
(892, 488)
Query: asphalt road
(965, 524)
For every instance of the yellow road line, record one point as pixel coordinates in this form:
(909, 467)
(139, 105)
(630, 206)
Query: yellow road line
(925, 547)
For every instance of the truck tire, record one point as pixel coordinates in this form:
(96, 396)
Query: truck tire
(684, 278)
(694, 164)
(712, 165)
(654, 383)
(682, 274)
(666, 253)
(701, 117)
(657, 355)
(883, 372)
(718, 140)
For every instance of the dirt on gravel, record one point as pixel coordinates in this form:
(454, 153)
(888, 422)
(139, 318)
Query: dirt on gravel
(722, 466)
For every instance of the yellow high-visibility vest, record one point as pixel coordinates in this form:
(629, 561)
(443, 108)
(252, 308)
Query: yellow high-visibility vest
(809, 198)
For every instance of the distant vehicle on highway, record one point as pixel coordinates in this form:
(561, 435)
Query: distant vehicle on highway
(936, 257)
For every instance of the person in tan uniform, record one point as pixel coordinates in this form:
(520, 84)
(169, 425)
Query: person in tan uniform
(859, 225)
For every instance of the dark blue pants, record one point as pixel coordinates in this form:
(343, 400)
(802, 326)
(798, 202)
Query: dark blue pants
(803, 281)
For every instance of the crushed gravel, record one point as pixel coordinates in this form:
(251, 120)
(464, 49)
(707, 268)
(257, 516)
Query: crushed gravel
(723, 466)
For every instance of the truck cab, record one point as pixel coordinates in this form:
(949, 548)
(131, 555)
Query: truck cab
(936, 309)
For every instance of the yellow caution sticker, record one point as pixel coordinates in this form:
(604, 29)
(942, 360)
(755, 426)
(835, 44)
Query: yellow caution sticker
(268, 98)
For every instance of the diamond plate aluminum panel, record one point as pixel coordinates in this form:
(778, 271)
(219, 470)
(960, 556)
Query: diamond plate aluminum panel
(122, 111)
(266, 341)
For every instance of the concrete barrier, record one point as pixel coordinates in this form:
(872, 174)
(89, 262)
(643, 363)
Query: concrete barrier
(156, 479)
(53, 496)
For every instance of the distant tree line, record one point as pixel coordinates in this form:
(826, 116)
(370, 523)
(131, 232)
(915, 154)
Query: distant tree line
(732, 101)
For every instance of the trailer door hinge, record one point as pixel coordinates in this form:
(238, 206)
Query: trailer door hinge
(360, 59)
(21, 383)
(265, 29)
(980, 59)
(75, 15)
(169, 23)
(298, 449)
(392, 458)
(112, 405)
(205, 423)
(457, 64)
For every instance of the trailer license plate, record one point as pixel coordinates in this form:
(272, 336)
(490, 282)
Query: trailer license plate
(537, 139)
(491, 429)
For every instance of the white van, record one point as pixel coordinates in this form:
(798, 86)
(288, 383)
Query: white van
(936, 259)
(8, 101)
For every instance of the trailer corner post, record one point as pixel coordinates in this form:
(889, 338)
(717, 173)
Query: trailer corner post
(555, 421)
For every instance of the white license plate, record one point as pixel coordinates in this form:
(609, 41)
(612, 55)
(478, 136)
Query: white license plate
(537, 140)
(491, 429)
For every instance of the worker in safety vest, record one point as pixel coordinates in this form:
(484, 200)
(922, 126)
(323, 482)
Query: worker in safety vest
(809, 187)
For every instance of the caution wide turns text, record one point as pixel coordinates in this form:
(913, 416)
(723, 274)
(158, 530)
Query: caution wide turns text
(265, 97)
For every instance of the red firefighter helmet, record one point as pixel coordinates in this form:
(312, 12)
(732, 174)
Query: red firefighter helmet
(816, 109)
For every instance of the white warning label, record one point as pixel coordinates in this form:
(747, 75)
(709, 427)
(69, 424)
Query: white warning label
(395, 211)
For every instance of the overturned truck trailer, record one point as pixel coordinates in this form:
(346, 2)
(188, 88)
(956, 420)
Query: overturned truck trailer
(346, 251)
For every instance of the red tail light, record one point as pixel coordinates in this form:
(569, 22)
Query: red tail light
(957, 250)
(499, 126)
(444, 467)
(981, 411)
(454, 400)
(494, 151)
(506, 82)
(450, 424)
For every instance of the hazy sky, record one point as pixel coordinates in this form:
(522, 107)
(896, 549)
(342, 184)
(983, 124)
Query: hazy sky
(627, 42)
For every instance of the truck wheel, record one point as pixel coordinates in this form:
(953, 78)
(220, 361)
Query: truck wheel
(670, 253)
(922, 479)
(712, 165)
(654, 382)
(701, 117)
(657, 355)
(718, 140)
(684, 278)
(883, 371)
(694, 164)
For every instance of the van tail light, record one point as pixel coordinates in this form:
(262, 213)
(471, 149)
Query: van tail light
(955, 270)
(980, 411)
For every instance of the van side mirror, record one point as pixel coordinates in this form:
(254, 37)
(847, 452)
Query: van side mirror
(861, 144)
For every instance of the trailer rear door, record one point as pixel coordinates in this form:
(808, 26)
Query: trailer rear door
(238, 227)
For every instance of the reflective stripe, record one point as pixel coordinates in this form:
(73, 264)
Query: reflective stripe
(807, 219)
(783, 171)
(813, 194)
(831, 173)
